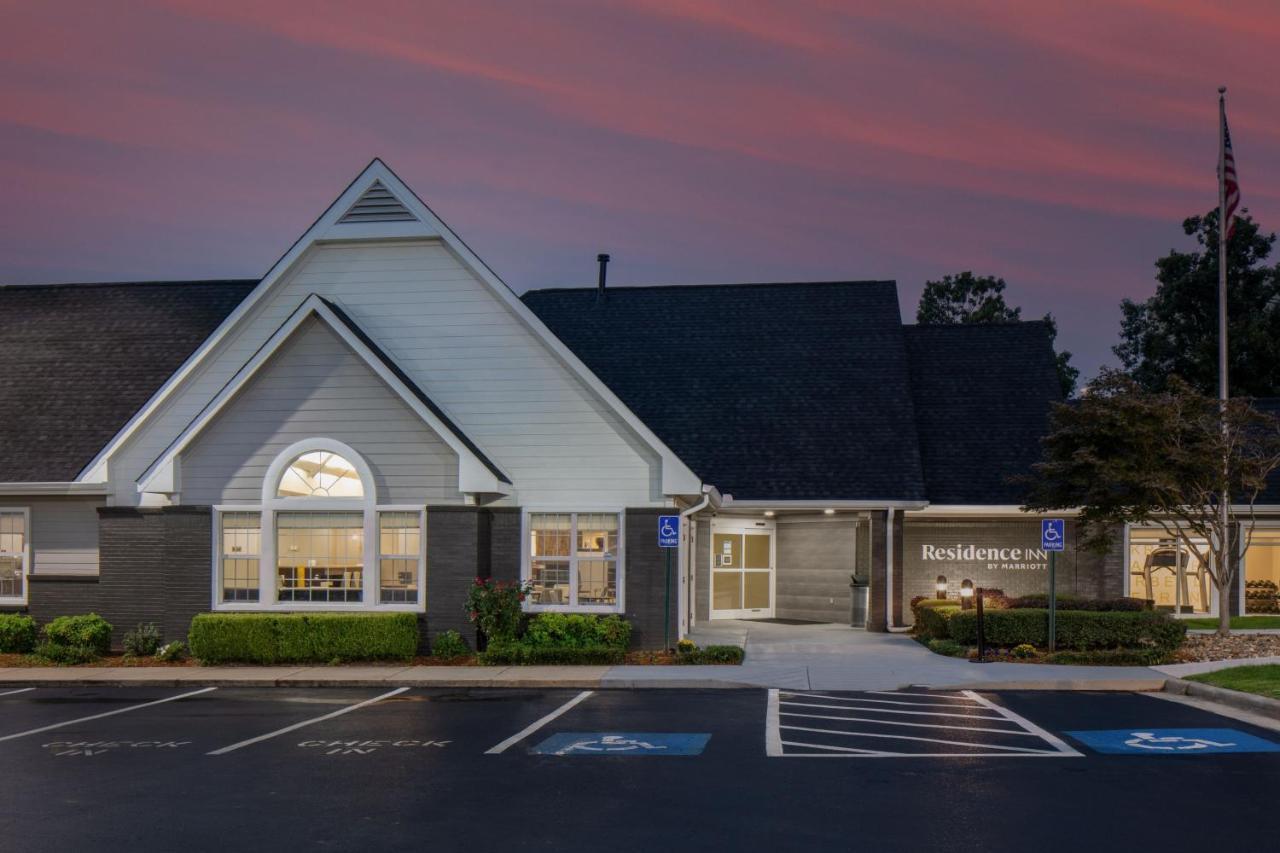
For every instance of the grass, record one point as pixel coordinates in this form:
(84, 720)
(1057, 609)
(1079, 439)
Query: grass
(1237, 622)
(1262, 680)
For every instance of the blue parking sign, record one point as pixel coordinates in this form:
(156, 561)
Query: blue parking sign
(1052, 534)
(668, 531)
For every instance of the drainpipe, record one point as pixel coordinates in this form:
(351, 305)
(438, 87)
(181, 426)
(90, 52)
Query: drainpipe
(709, 495)
(888, 574)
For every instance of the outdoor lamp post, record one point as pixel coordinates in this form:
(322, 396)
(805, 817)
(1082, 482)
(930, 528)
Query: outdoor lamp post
(941, 586)
(966, 593)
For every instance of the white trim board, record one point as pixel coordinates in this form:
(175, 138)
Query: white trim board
(677, 478)
(474, 475)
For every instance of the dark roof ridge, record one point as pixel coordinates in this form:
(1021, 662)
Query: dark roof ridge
(147, 283)
(1039, 321)
(619, 287)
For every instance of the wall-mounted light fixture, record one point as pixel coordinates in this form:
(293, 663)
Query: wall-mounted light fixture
(768, 513)
(966, 593)
(941, 587)
(828, 512)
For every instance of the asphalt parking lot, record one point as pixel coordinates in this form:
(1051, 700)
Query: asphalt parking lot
(377, 769)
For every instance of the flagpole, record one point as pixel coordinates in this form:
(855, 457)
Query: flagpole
(1224, 607)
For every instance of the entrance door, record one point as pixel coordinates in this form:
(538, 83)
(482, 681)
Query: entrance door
(742, 570)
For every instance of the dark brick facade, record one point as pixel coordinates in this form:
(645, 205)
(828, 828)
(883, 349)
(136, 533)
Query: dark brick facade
(645, 580)
(51, 596)
(457, 553)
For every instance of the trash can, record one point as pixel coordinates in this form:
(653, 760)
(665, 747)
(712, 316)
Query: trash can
(858, 600)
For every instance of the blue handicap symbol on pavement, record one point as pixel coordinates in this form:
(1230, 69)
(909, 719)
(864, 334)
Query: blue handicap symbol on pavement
(668, 531)
(1172, 741)
(623, 743)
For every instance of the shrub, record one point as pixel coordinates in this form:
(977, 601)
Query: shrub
(577, 631)
(89, 631)
(950, 648)
(1023, 651)
(1077, 629)
(17, 633)
(172, 651)
(920, 602)
(515, 653)
(64, 654)
(269, 638)
(1040, 601)
(142, 641)
(494, 607)
(711, 655)
(685, 646)
(1112, 657)
(934, 621)
(448, 645)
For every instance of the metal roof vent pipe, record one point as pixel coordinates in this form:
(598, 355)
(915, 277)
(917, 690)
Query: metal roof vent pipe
(604, 270)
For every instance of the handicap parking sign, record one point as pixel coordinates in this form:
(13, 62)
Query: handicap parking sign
(668, 531)
(1172, 741)
(623, 743)
(1052, 536)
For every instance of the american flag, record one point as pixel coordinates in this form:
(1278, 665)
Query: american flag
(1229, 179)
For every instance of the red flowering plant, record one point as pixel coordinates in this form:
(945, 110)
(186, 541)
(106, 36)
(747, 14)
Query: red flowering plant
(494, 607)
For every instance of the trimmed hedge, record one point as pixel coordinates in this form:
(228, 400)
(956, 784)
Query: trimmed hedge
(270, 638)
(89, 631)
(520, 654)
(576, 631)
(711, 655)
(1076, 629)
(17, 633)
(933, 622)
(1040, 601)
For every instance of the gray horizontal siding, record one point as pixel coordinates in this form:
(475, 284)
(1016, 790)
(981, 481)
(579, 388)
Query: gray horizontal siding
(815, 558)
(316, 386)
(64, 535)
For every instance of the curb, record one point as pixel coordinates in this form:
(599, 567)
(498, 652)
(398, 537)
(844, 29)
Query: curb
(1109, 685)
(1234, 698)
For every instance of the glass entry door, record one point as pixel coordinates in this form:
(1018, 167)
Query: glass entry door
(741, 570)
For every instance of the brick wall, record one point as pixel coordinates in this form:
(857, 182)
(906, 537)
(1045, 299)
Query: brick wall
(456, 556)
(52, 596)
(645, 579)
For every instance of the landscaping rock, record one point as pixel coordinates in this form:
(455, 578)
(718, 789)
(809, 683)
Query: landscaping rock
(1207, 647)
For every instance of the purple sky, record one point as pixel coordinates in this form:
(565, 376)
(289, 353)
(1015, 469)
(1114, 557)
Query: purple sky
(1058, 145)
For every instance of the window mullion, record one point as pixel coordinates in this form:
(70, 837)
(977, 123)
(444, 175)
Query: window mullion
(573, 559)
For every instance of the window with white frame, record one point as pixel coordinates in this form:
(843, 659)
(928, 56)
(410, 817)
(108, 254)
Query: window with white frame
(320, 538)
(574, 559)
(13, 554)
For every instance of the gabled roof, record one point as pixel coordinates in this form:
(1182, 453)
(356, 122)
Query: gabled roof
(983, 395)
(768, 391)
(476, 472)
(80, 359)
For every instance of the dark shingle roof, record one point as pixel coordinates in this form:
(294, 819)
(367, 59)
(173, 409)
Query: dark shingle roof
(80, 359)
(786, 392)
(983, 395)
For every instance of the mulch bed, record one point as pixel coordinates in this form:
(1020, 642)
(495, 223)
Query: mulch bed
(1207, 647)
(107, 662)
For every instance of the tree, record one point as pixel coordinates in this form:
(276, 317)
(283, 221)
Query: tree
(1125, 454)
(968, 298)
(1175, 331)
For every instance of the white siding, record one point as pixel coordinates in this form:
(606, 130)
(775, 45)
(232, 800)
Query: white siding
(467, 350)
(316, 386)
(64, 535)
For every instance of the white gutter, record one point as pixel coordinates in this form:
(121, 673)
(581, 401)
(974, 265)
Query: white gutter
(58, 488)
(710, 495)
(888, 574)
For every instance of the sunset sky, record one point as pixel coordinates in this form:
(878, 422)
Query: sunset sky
(1057, 144)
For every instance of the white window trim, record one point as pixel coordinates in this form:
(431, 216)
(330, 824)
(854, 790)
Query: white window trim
(368, 505)
(1211, 613)
(26, 556)
(526, 559)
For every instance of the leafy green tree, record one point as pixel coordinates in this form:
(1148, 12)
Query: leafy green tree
(1175, 331)
(1124, 454)
(968, 298)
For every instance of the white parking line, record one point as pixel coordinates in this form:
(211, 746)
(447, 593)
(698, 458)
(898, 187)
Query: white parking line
(928, 695)
(1058, 742)
(830, 748)
(293, 728)
(862, 710)
(19, 690)
(997, 747)
(107, 714)
(537, 724)
(878, 701)
(913, 725)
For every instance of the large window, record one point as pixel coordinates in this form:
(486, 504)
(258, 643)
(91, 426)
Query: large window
(13, 554)
(1262, 572)
(573, 560)
(1166, 571)
(320, 539)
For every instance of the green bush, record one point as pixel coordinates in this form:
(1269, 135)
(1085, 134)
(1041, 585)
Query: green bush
(449, 645)
(142, 641)
(520, 654)
(17, 633)
(175, 650)
(496, 608)
(711, 655)
(1076, 629)
(1112, 657)
(933, 621)
(1023, 651)
(950, 648)
(89, 631)
(920, 603)
(1040, 601)
(576, 631)
(270, 638)
(64, 654)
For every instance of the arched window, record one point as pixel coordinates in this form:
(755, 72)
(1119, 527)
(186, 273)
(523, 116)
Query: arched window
(320, 474)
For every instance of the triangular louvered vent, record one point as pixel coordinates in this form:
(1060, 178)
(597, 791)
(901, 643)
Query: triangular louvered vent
(377, 205)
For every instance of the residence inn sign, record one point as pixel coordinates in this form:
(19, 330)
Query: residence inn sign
(1000, 553)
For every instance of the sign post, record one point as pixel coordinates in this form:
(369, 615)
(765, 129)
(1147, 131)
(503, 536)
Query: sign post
(1052, 539)
(668, 538)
